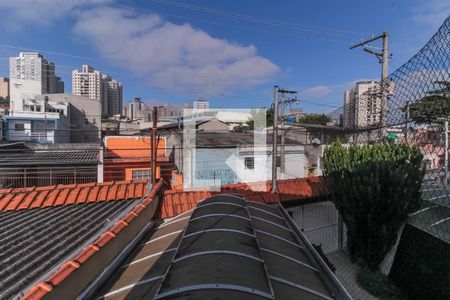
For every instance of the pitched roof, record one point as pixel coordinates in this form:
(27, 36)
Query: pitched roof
(49, 157)
(231, 249)
(106, 223)
(176, 202)
(33, 242)
(41, 197)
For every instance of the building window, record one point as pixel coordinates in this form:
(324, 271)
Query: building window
(141, 174)
(19, 127)
(249, 163)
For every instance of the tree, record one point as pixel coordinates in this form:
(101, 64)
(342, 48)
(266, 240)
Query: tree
(258, 115)
(105, 116)
(433, 107)
(318, 119)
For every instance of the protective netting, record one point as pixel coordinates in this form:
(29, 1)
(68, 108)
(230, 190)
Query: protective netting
(417, 113)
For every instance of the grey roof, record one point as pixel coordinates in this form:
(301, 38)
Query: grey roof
(226, 248)
(32, 158)
(34, 241)
(231, 139)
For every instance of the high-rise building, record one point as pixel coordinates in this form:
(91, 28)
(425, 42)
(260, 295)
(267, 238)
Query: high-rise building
(362, 105)
(4, 87)
(93, 84)
(137, 109)
(31, 74)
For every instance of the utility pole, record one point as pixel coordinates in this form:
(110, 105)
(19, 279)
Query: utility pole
(383, 58)
(276, 117)
(275, 137)
(283, 136)
(153, 142)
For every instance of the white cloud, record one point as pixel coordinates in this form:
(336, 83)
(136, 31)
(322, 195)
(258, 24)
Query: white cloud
(320, 90)
(171, 55)
(17, 13)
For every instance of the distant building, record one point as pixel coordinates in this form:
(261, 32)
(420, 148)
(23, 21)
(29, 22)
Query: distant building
(137, 109)
(201, 104)
(55, 118)
(92, 84)
(31, 74)
(4, 88)
(362, 104)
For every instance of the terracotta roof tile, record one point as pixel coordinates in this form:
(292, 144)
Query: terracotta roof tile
(176, 201)
(27, 198)
(83, 194)
(63, 272)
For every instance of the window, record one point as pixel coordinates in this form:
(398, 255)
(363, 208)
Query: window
(141, 174)
(19, 126)
(249, 163)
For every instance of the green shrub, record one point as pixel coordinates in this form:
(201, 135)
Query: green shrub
(374, 188)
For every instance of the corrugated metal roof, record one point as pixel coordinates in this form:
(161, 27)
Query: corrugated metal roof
(226, 248)
(49, 157)
(34, 241)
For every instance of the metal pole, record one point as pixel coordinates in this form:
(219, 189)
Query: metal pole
(446, 152)
(282, 163)
(153, 140)
(384, 83)
(275, 137)
(407, 121)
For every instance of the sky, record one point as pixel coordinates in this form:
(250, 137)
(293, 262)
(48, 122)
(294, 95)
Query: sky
(229, 52)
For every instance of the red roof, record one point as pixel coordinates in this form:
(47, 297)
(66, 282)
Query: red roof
(41, 289)
(34, 197)
(176, 202)
(173, 203)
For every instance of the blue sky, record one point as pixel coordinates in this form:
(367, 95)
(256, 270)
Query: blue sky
(231, 52)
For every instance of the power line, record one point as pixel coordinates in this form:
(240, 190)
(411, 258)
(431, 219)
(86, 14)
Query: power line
(266, 21)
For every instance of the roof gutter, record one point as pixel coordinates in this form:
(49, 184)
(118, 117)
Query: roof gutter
(103, 277)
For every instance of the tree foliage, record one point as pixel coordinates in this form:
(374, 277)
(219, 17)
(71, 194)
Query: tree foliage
(257, 115)
(318, 119)
(374, 189)
(433, 107)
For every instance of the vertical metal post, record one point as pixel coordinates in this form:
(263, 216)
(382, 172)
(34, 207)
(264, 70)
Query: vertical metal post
(282, 150)
(446, 152)
(384, 75)
(275, 137)
(153, 139)
(407, 121)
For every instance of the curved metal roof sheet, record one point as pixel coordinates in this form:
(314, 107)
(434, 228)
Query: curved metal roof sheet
(226, 248)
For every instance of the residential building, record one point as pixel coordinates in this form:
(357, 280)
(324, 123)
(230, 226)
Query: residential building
(362, 104)
(28, 165)
(55, 118)
(93, 84)
(137, 109)
(201, 104)
(128, 158)
(215, 158)
(30, 75)
(4, 87)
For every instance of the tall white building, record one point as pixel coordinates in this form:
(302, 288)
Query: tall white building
(362, 105)
(31, 74)
(93, 84)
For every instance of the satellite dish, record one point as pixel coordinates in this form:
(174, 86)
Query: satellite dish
(316, 142)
